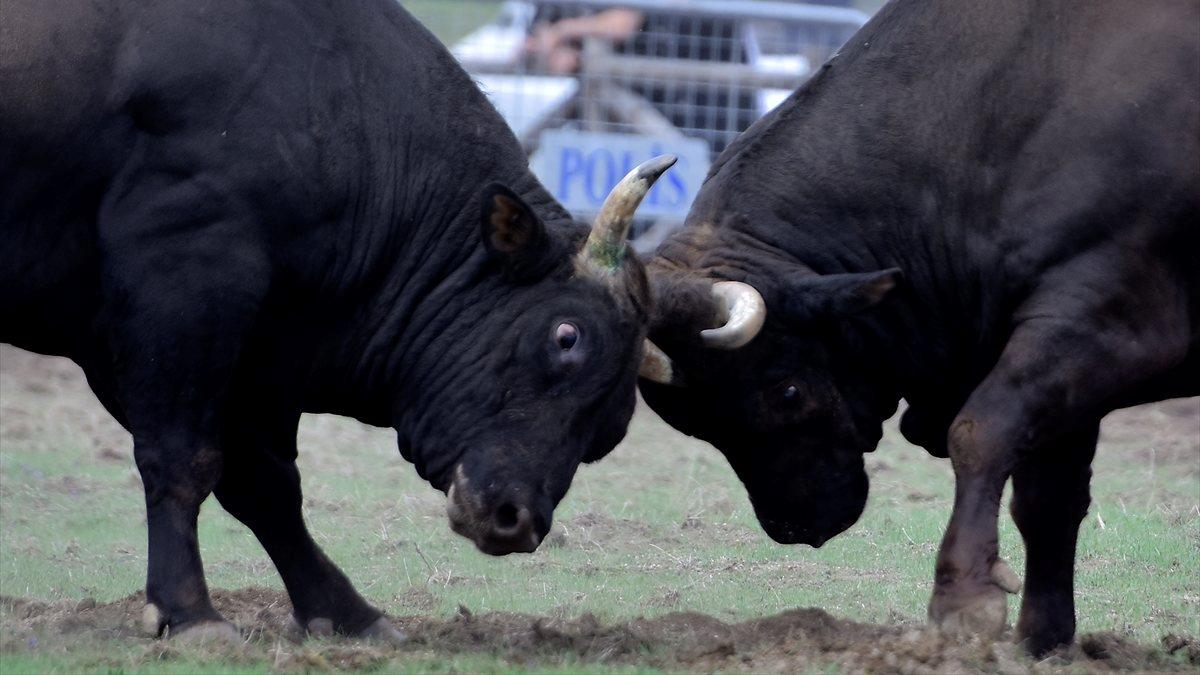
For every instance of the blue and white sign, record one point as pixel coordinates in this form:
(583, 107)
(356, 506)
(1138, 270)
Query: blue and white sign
(580, 168)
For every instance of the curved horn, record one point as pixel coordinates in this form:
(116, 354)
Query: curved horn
(743, 311)
(605, 247)
(656, 366)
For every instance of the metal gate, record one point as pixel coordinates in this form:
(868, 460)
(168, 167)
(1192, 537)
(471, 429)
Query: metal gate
(592, 87)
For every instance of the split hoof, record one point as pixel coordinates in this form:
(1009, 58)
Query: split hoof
(208, 633)
(1046, 623)
(319, 627)
(154, 623)
(986, 617)
(382, 630)
(975, 611)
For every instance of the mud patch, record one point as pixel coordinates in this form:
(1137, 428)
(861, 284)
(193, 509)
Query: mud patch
(1165, 432)
(789, 642)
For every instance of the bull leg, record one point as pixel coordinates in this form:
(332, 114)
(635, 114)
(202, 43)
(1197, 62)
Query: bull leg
(182, 280)
(174, 416)
(1050, 499)
(177, 478)
(969, 582)
(262, 490)
(1053, 373)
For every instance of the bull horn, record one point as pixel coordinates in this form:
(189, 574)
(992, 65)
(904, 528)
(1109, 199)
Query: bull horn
(742, 312)
(657, 366)
(605, 247)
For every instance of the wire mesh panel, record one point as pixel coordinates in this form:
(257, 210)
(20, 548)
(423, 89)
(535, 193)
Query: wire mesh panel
(591, 87)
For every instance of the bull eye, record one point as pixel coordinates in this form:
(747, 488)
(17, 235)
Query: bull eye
(791, 393)
(566, 336)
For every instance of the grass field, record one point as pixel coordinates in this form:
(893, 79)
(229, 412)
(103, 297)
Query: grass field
(661, 526)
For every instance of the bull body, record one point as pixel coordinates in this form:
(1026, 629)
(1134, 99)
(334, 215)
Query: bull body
(988, 209)
(232, 213)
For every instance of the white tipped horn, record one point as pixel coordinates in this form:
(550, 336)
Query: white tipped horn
(741, 309)
(605, 247)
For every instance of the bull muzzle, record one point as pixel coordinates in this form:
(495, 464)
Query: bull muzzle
(497, 526)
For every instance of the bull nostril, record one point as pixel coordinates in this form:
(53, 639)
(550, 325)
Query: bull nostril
(511, 521)
(512, 528)
(506, 517)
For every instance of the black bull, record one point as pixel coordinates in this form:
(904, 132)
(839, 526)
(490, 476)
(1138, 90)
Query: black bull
(231, 213)
(988, 209)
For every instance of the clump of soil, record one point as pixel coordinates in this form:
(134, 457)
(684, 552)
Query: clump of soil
(789, 642)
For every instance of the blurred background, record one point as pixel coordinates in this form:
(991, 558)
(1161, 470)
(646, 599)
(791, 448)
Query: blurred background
(592, 87)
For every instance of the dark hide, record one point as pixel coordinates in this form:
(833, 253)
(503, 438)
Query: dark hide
(232, 213)
(1033, 170)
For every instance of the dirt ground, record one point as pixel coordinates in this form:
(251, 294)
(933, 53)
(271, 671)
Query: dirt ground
(792, 641)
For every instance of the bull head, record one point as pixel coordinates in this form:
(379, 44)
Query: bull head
(740, 312)
(792, 403)
(571, 338)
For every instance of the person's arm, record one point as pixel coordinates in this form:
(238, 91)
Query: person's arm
(610, 24)
(556, 44)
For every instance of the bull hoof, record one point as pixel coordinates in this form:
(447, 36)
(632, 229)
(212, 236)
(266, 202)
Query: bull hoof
(1039, 643)
(153, 620)
(978, 608)
(383, 631)
(208, 633)
(320, 627)
(1046, 623)
(985, 614)
(380, 630)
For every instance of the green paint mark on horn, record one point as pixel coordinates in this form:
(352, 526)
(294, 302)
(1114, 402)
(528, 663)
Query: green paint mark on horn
(605, 247)
(606, 253)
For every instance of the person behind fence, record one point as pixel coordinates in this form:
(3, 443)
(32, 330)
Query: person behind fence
(559, 30)
(557, 43)
(712, 112)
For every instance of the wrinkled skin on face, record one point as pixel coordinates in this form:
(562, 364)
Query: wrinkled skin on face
(526, 375)
(794, 409)
(506, 424)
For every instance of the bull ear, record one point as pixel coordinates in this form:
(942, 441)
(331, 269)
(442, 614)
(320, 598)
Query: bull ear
(512, 233)
(837, 295)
